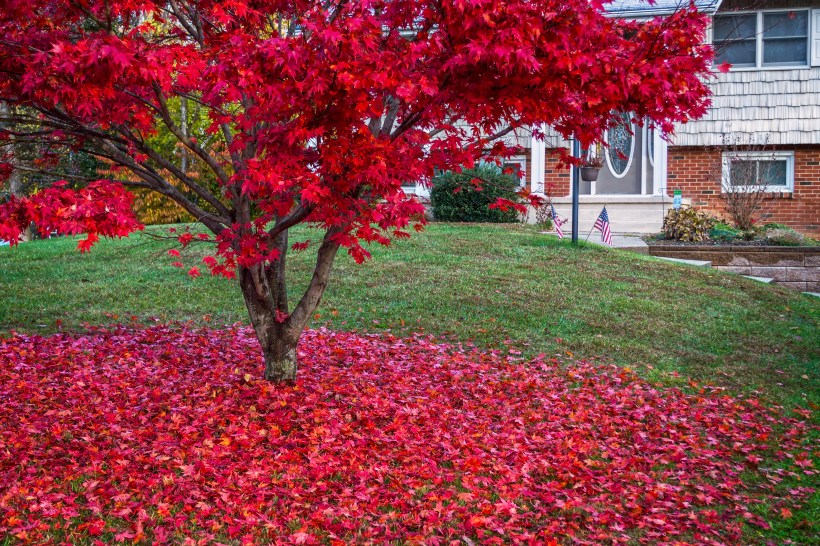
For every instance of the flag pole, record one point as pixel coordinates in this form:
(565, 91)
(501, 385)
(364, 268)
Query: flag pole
(589, 234)
(593, 226)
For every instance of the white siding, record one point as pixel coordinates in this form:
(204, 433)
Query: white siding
(773, 106)
(518, 137)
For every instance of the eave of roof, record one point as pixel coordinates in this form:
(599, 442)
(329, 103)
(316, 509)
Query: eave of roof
(643, 8)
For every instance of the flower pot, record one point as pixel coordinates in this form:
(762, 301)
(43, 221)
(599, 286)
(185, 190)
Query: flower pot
(589, 174)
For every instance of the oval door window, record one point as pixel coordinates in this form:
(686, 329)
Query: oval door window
(621, 141)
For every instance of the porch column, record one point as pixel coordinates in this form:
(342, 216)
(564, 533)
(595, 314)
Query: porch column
(538, 163)
(659, 175)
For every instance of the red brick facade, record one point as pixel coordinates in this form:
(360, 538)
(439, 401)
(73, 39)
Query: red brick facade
(557, 180)
(692, 170)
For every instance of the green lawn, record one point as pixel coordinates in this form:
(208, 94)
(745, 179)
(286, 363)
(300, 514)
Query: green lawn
(486, 283)
(490, 284)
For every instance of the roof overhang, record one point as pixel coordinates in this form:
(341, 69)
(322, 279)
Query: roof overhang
(639, 9)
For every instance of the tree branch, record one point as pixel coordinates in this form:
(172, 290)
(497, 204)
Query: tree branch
(165, 114)
(321, 274)
(178, 173)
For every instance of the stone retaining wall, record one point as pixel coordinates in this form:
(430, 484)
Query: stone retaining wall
(792, 267)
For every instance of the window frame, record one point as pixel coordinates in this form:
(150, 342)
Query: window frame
(520, 162)
(759, 30)
(773, 155)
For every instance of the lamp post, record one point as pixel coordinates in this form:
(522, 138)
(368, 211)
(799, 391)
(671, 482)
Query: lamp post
(588, 172)
(576, 186)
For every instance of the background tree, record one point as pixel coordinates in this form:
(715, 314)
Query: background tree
(318, 112)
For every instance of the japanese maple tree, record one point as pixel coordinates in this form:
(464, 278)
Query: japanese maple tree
(318, 112)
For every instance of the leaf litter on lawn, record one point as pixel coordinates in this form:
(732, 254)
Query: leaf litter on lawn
(167, 434)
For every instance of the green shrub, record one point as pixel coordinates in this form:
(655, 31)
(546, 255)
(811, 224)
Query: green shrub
(785, 237)
(724, 233)
(455, 199)
(687, 225)
(774, 225)
(750, 234)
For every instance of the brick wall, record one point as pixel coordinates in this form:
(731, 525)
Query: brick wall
(558, 178)
(693, 171)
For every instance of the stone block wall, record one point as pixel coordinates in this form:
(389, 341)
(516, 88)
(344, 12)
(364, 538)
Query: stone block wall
(793, 267)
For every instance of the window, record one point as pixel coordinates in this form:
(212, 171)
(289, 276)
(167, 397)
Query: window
(517, 167)
(621, 145)
(736, 39)
(762, 39)
(750, 171)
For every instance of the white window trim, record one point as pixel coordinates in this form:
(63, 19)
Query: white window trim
(519, 161)
(759, 40)
(726, 186)
(814, 38)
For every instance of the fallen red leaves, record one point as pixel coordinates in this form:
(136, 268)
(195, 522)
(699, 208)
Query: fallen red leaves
(165, 433)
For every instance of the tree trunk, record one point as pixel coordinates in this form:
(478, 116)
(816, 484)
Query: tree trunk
(281, 362)
(265, 293)
(16, 189)
(183, 126)
(276, 336)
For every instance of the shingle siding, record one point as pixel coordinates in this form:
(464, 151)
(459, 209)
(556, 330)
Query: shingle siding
(773, 106)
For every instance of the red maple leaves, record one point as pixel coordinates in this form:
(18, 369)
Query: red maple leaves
(162, 434)
(101, 208)
(318, 113)
(326, 124)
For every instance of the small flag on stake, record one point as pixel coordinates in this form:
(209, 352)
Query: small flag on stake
(557, 222)
(602, 225)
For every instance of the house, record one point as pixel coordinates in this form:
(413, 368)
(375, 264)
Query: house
(770, 96)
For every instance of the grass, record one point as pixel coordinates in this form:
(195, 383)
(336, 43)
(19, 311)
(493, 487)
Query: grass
(488, 284)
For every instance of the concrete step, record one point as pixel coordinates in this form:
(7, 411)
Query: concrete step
(696, 263)
(815, 294)
(627, 213)
(764, 280)
(622, 241)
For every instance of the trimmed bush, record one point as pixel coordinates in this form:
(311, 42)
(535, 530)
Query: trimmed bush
(455, 197)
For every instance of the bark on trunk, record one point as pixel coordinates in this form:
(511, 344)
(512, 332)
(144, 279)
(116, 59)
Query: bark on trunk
(281, 363)
(265, 293)
(276, 337)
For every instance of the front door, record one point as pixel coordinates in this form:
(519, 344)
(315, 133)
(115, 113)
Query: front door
(623, 168)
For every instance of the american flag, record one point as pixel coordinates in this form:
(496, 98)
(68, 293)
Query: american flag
(556, 222)
(602, 225)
